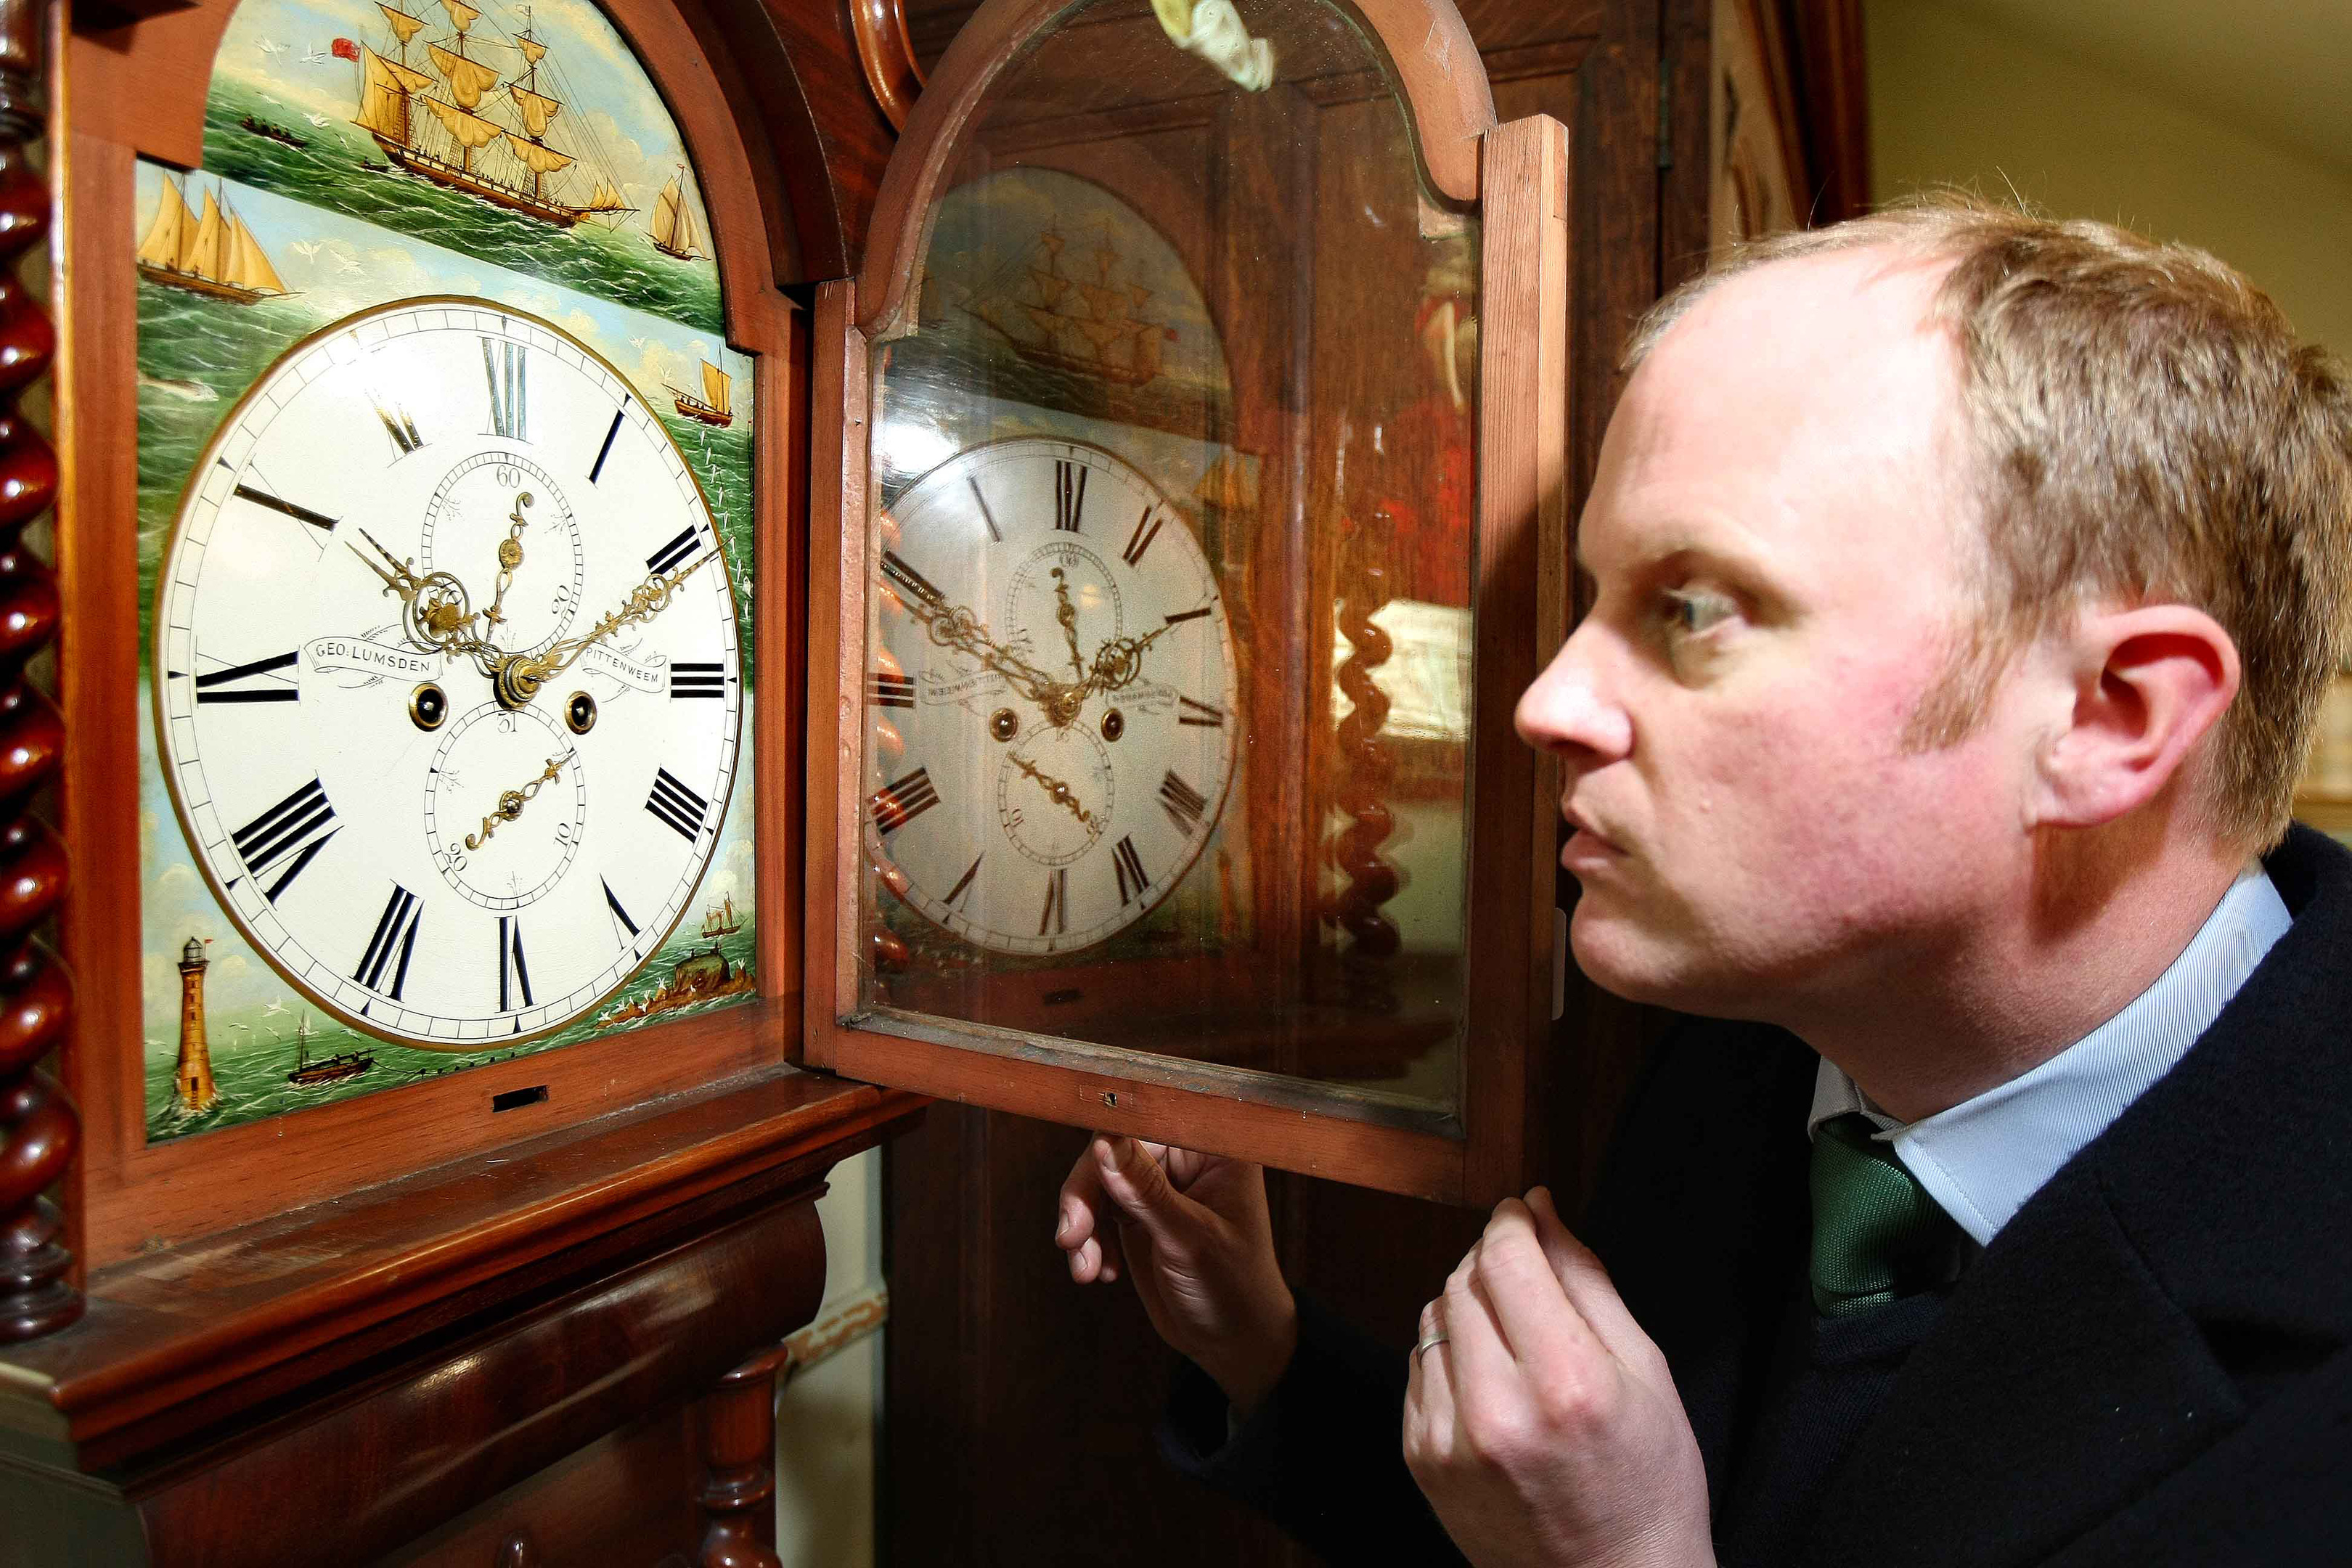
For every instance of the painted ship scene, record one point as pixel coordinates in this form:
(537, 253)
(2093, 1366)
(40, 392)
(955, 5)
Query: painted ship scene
(214, 256)
(501, 132)
(706, 974)
(1088, 321)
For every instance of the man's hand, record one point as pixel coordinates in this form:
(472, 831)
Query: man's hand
(1544, 1427)
(1191, 1229)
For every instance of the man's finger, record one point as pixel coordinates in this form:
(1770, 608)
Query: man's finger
(1537, 1320)
(1429, 1388)
(1482, 1379)
(1133, 1181)
(1585, 1281)
(1083, 1225)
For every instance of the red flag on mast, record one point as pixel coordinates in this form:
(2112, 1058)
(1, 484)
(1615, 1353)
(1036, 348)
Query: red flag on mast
(346, 50)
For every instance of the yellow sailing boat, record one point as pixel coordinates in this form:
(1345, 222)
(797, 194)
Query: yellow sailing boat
(216, 255)
(713, 406)
(671, 228)
(463, 122)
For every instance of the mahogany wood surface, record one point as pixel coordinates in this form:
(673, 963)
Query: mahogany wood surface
(39, 1127)
(185, 1336)
(836, 565)
(131, 92)
(887, 55)
(358, 1462)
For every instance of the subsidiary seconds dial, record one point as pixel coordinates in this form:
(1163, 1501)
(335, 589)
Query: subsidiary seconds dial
(448, 689)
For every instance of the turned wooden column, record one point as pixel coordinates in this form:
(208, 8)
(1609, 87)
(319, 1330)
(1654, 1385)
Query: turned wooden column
(38, 1129)
(738, 1424)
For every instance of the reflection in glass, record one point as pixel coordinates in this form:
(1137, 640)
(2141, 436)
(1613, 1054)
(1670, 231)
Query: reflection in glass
(1168, 657)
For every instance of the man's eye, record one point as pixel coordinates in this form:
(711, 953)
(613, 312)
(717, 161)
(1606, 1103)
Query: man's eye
(1690, 611)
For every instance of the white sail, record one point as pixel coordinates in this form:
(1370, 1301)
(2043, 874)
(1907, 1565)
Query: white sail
(166, 233)
(470, 130)
(608, 199)
(543, 160)
(715, 385)
(469, 79)
(536, 110)
(404, 26)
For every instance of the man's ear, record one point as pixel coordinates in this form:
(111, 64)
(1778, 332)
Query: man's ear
(2147, 683)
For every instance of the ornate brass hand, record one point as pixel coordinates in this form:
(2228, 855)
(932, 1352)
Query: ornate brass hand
(1067, 613)
(1119, 661)
(518, 676)
(511, 802)
(953, 625)
(1055, 790)
(436, 613)
(509, 557)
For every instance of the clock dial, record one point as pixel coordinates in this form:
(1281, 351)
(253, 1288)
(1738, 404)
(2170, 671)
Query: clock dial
(1052, 698)
(448, 685)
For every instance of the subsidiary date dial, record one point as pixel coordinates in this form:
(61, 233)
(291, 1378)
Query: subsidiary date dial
(1052, 699)
(448, 685)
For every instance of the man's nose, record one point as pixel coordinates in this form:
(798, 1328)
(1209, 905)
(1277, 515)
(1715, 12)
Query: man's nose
(1570, 708)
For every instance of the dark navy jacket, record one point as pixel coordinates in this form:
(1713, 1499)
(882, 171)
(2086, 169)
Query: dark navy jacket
(2148, 1366)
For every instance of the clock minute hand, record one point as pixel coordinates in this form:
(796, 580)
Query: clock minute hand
(509, 557)
(520, 676)
(512, 801)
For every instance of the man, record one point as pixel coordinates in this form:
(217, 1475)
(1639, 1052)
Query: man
(1964, 589)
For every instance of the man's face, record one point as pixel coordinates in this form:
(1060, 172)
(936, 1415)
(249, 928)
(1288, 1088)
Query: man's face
(1782, 545)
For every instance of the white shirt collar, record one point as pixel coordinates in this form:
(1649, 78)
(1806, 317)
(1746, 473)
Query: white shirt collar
(1982, 1159)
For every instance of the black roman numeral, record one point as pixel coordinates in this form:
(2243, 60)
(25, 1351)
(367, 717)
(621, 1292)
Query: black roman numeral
(896, 804)
(1147, 529)
(396, 936)
(963, 883)
(1190, 713)
(220, 685)
(909, 580)
(1056, 918)
(259, 497)
(508, 366)
(986, 516)
(1183, 803)
(396, 423)
(293, 831)
(1129, 866)
(660, 562)
(1069, 495)
(677, 806)
(696, 679)
(890, 691)
(605, 450)
(613, 902)
(1182, 615)
(514, 976)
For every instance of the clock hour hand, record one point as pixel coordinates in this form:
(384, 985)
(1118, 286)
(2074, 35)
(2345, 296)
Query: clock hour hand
(511, 802)
(434, 612)
(520, 676)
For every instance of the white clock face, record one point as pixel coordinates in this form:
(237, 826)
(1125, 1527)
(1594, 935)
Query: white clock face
(433, 861)
(1051, 697)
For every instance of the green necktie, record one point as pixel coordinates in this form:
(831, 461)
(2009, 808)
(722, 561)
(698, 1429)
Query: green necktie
(1878, 1235)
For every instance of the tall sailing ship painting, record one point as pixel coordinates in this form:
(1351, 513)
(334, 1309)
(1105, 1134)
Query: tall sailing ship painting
(474, 136)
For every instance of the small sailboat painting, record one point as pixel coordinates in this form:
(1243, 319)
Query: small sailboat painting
(215, 255)
(713, 407)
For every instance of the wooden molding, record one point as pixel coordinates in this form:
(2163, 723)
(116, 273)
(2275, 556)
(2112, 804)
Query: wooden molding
(38, 1128)
(887, 54)
(1833, 104)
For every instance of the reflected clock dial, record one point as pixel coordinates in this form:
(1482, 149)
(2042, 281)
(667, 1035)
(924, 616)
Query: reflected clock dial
(467, 869)
(1055, 690)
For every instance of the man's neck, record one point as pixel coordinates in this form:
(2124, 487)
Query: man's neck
(2093, 930)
